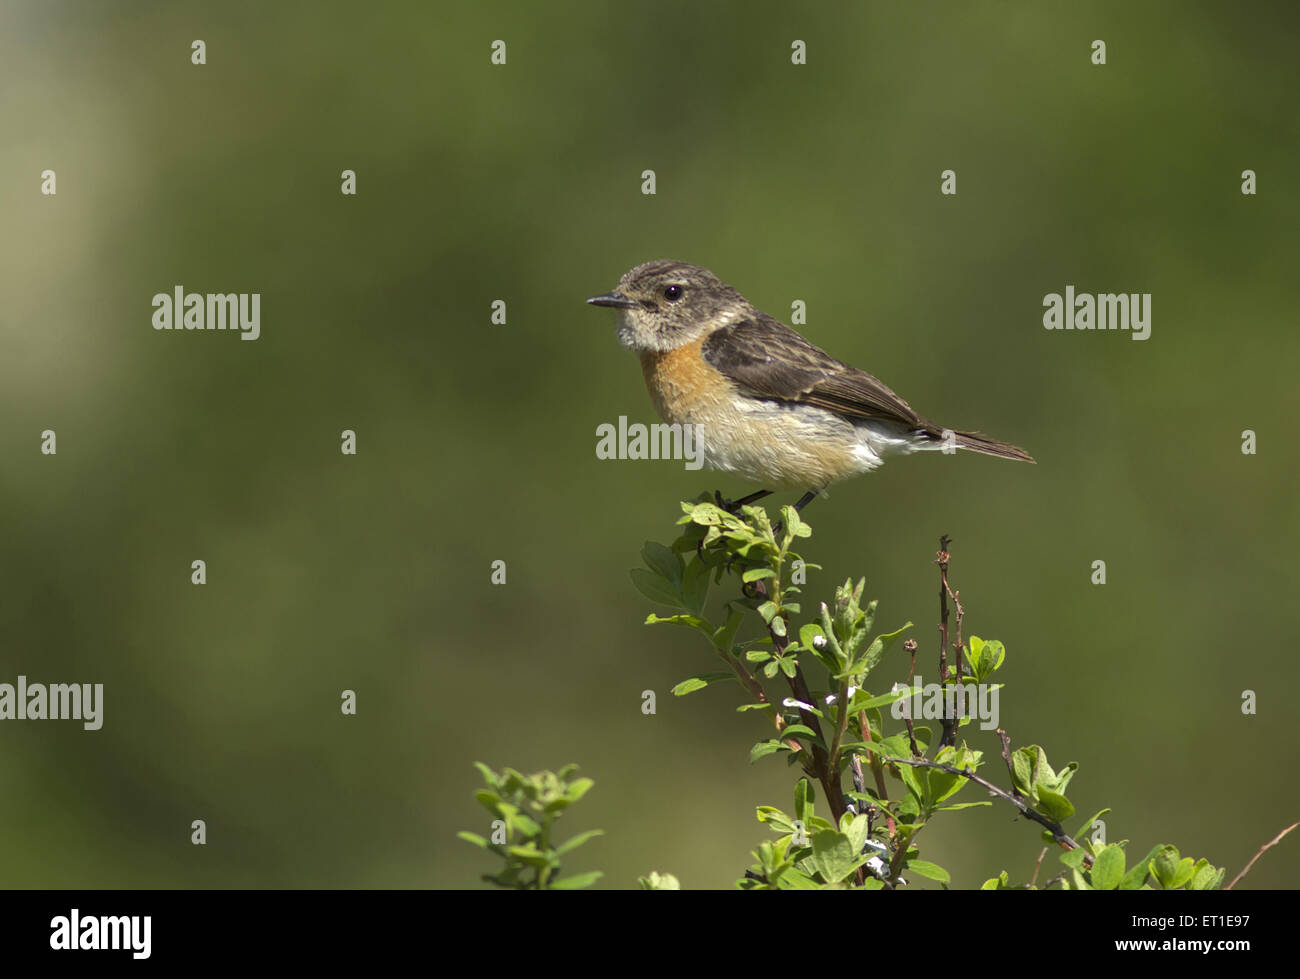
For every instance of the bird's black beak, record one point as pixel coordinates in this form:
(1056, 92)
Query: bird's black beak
(615, 299)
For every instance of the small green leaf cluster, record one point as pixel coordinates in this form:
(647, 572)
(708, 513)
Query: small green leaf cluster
(829, 726)
(812, 853)
(1096, 866)
(982, 658)
(837, 721)
(1103, 867)
(869, 839)
(1034, 779)
(1162, 864)
(714, 543)
(524, 810)
(655, 881)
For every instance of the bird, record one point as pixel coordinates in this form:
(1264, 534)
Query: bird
(770, 406)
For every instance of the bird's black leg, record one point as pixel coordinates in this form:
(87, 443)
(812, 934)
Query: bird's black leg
(805, 500)
(734, 505)
(798, 507)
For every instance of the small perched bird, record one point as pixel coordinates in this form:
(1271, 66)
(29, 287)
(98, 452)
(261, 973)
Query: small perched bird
(770, 406)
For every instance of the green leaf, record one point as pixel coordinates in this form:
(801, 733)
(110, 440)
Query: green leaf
(1074, 858)
(1086, 826)
(576, 841)
(855, 828)
(1137, 874)
(691, 621)
(764, 748)
(913, 781)
(795, 880)
(695, 586)
(726, 634)
(1022, 768)
(813, 639)
(862, 700)
(700, 682)
(804, 798)
(833, 856)
(1108, 868)
(1183, 874)
(525, 825)
(991, 660)
(898, 746)
(869, 616)
(775, 818)
(659, 882)
(801, 731)
(794, 526)
(473, 838)
(663, 562)
(808, 634)
(755, 574)
(876, 651)
(931, 870)
(529, 854)
(655, 587)
(1164, 866)
(577, 881)
(1053, 805)
(1064, 775)
(1206, 877)
(944, 785)
(578, 788)
(706, 515)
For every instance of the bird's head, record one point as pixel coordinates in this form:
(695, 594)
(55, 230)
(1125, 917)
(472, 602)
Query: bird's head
(663, 305)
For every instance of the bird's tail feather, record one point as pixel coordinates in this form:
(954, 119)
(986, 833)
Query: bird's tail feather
(991, 447)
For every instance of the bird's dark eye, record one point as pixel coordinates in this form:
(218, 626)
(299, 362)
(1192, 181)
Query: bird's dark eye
(673, 293)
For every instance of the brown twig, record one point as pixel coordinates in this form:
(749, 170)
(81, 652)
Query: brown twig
(941, 559)
(1271, 843)
(1038, 866)
(958, 646)
(1052, 826)
(755, 690)
(1006, 757)
(820, 767)
(877, 770)
(949, 724)
(911, 736)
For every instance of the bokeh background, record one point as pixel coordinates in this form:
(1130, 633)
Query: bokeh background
(476, 442)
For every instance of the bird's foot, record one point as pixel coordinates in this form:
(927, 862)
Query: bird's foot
(733, 506)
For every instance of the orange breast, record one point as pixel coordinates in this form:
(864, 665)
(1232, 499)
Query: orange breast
(683, 387)
(775, 445)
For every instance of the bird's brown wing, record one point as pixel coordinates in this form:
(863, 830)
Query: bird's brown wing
(767, 359)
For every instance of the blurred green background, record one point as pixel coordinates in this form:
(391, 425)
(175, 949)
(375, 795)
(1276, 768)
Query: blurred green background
(477, 442)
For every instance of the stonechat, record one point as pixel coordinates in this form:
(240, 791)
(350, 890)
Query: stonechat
(770, 405)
